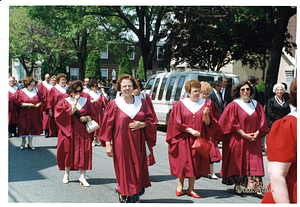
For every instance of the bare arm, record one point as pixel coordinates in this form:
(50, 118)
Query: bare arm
(277, 172)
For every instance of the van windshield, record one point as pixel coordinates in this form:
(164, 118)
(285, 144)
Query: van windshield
(149, 84)
(208, 79)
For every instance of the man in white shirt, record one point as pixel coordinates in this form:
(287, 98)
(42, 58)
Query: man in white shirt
(225, 92)
(215, 96)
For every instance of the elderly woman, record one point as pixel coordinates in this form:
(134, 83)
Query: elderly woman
(128, 122)
(282, 156)
(100, 103)
(29, 116)
(56, 93)
(74, 143)
(189, 118)
(277, 106)
(244, 124)
(214, 155)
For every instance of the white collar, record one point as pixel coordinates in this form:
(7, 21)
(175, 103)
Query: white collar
(30, 94)
(130, 109)
(94, 95)
(12, 89)
(86, 90)
(81, 102)
(47, 85)
(142, 95)
(249, 108)
(61, 89)
(193, 106)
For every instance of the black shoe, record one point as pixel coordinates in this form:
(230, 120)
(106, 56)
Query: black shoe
(9, 135)
(46, 133)
(134, 198)
(142, 192)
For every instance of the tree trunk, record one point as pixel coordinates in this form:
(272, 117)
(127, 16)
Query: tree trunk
(283, 15)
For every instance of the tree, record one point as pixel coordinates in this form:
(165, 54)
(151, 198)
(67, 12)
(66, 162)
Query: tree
(93, 66)
(125, 66)
(140, 73)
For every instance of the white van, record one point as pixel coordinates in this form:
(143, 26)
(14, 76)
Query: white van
(166, 88)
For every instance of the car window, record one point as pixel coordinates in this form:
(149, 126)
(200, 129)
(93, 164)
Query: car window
(149, 84)
(208, 79)
(161, 90)
(155, 89)
(179, 88)
(170, 88)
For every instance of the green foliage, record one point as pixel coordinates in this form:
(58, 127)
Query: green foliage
(261, 86)
(140, 73)
(93, 66)
(125, 65)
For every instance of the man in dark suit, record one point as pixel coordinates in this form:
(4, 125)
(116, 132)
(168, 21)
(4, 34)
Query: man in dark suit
(225, 92)
(215, 96)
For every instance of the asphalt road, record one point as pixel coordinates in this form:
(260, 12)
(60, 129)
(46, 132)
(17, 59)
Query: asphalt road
(33, 177)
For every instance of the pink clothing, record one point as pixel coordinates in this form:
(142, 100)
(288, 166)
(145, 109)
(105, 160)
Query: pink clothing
(129, 152)
(46, 119)
(240, 156)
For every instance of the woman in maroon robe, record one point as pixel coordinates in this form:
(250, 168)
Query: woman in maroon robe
(214, 155)
(243, 123)
(56, 93)
(74, 143)
(100, 103)
(29, 100)
(128, 122)
(189, 119)
(12, 112)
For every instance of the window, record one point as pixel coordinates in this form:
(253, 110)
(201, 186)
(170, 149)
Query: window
(104, 73)
(179, 88)
(149, 84)
(130, 50)
(74, 73)
(208, 79)
(160, 53)
(170, 88)
(155, 89)
(161, 90)
(104, 53)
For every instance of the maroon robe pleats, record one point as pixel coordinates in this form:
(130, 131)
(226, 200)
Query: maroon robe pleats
(46, 119)
(74, 144)
(130, 160)
(240, 156)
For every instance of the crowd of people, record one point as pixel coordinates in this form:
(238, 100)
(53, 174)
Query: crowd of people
(233, 117)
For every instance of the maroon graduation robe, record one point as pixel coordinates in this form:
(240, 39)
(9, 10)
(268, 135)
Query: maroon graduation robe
(53, 97)
(130, 160)
(45, 91)
(29, 119)
(185, 161)
(240, 156)
(74, 144)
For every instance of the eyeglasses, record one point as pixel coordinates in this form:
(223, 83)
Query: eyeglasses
(243, 89)
(95, 85)
(75, 91)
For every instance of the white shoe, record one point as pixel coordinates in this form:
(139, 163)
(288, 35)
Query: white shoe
(84, 182)
(213, 176)
(66, 179)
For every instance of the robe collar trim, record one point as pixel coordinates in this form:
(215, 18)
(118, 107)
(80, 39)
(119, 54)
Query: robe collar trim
(249, 108)
(61, 89)
(130, 110)
(30, 94)
(12, 89)
(80, 104)
(47, 85)
(94, 95)
(193, 106)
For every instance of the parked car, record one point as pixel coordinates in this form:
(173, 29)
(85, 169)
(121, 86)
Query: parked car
(166, 88)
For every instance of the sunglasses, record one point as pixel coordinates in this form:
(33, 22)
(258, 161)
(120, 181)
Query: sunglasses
(75, 91)
(95, 85)
(245, 89)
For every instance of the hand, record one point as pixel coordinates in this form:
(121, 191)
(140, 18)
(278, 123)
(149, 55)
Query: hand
(255, 134)
(76, 98)
(102, 90)
(95, 100)
(193, 132)
(109, 151)
(83, 119)
(31, 105)
(50, 113)
(250, 137)
(206, 111)
(136, 125)
(38, 104)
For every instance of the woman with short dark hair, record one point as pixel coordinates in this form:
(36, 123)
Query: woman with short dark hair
(74, 151)
(243, 123)
(29, 100)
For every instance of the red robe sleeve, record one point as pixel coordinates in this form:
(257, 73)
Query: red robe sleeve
(104, 101)
(17, 99)
(175, 123)
(148, 99)
(108, 123)
(229, 120)
(50, 98)
(62, 116)
(282, 140)
(92, 111)
(150, 130)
